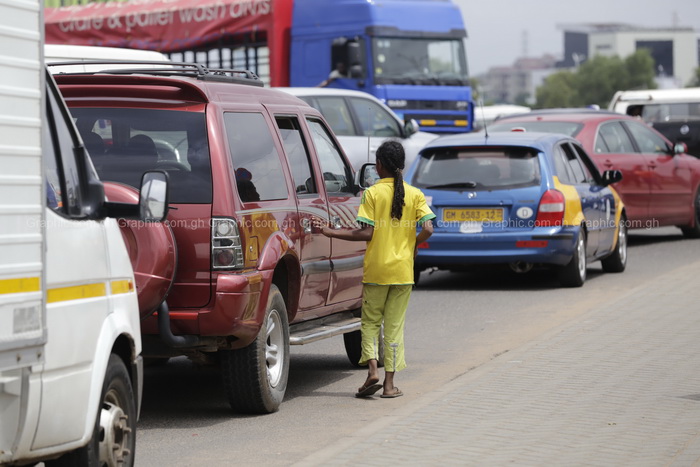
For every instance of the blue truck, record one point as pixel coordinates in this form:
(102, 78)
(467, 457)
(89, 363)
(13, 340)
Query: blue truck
(408, 53)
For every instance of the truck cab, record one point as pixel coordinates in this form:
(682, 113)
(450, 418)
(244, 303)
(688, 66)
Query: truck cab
(409, 54)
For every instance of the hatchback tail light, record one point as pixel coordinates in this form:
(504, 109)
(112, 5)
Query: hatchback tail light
(551, 210)
(226, 248)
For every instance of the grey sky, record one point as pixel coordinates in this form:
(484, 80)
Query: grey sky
(496, 28)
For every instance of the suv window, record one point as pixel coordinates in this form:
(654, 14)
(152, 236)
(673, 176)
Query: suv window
(124, 143)
(297, 154)
(259, 173)
(336, 174)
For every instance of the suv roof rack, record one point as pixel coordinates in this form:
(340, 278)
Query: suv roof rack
(191, 70)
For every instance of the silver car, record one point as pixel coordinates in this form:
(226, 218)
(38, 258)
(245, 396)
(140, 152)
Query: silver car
(361, 122)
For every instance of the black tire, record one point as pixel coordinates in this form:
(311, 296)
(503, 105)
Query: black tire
(574, 273)
(694, 232)
(255, 377)
(617, 261)
(416, 276)
(114, 437)
(353, 347)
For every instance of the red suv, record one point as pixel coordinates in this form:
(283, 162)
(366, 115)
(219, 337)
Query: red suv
(239, 270)
(660, 182)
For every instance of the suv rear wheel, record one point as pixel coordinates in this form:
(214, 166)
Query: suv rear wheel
(255, 377)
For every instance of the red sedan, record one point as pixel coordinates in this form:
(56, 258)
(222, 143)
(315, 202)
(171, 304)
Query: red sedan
(660, 184)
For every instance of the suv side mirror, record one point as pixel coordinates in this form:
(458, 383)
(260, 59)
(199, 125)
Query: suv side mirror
(367, 176)
(611, 176)
(153, 197)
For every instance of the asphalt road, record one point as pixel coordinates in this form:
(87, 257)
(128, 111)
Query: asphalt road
(456, 322)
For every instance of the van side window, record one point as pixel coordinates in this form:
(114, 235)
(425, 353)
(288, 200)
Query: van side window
(259, 173)
(337, 176)
(297, 154)
(62, 176)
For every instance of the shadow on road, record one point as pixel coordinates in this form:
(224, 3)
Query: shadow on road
(181, 394)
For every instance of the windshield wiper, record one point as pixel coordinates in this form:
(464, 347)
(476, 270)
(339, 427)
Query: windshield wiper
(454, 185)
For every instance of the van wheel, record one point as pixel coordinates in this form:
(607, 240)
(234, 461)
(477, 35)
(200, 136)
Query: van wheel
(353, 347)
(574, 273)
(694, 232)
(114, 437)
(617, 261)
(255, 377)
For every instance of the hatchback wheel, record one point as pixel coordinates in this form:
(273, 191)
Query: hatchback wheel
(574, 273)
(617, 261)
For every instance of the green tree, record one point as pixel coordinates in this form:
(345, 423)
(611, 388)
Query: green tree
(597, 80)
(557, 91)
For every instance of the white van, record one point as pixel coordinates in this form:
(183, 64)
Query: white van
(55, 53)
(673, 112)
(70, 342)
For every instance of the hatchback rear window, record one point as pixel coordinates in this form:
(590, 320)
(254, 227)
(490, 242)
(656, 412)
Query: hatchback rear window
(478, 168)
(567, 128)
(124, 143)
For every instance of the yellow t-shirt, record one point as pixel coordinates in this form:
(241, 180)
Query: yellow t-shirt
(389, 255)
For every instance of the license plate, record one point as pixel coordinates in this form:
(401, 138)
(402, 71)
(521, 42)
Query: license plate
(472, 215)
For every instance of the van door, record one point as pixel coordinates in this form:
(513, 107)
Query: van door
(343, 204)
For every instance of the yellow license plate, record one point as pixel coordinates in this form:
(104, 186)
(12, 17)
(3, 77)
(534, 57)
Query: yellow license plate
(472, 215)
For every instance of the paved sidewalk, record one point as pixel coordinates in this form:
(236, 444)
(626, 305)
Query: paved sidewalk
(618, 386)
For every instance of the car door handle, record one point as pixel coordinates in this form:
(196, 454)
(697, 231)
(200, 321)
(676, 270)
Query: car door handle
(306, 225)
(652, 165)
(607, 163)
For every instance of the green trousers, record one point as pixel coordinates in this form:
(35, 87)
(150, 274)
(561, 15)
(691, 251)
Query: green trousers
(384, 304)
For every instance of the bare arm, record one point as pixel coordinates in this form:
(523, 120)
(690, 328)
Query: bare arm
(363, 234)
(424, 234)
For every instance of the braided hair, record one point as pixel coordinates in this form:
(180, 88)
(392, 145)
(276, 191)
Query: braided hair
(393, 158)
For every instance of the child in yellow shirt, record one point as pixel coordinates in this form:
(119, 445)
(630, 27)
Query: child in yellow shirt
(389, 214)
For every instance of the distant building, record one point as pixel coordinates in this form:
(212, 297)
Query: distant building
(516, 84)
(674, 50)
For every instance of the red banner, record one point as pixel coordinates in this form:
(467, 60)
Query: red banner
(163, 25)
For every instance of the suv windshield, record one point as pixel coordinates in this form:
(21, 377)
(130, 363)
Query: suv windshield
(124, 143)
(477, 169)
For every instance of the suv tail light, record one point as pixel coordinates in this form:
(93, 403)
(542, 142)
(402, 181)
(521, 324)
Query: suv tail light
(226, 248)
(550, 212)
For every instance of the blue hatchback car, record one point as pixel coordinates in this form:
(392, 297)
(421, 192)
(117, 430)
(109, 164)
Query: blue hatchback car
(521, 199)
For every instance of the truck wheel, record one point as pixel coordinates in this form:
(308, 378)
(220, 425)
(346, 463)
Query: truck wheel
(255, 377)
(114, 438)
(574, 273)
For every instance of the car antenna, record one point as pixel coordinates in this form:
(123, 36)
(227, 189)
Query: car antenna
(483, 120)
